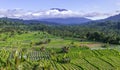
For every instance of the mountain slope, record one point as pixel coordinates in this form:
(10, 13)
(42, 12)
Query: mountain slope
(113, 18)
(69, 20)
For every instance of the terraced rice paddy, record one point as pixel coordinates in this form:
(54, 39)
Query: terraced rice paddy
(107, 59)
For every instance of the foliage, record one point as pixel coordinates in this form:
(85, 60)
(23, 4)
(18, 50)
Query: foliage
(84, 59)
(106, 45)
(107, 31)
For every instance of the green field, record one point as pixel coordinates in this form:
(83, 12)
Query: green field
(30, 38)
(107, 59)
(42, 51)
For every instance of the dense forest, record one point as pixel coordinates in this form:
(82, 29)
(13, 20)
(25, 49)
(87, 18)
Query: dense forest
(102, 31)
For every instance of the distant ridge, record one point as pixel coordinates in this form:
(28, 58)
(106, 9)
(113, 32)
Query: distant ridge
(59, 9)
(68, 20)
(113, 18)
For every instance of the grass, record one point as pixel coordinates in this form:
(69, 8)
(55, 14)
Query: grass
(21, 52)
(81, 59)
(24, 40)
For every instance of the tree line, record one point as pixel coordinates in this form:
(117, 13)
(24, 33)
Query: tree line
(106, 31)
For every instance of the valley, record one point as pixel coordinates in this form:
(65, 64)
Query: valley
(43, 45)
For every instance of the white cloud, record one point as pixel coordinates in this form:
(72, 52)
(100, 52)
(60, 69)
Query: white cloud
(97, 15)
(22, 14)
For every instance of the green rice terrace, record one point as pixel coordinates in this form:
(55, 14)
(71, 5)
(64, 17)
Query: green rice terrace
(42, 51)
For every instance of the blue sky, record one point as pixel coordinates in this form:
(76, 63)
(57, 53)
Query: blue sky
(77, 5)
(103, 6)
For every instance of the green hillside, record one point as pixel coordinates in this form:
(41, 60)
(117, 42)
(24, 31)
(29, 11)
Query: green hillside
(39, 46)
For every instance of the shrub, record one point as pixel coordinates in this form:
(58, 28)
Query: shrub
(105, 46)
(42, 48)
(65, 49)
(66, 60)
(62, 59)
(84, 47)
(43, 42)
(72, 43)
(39, 43)
(48, 40)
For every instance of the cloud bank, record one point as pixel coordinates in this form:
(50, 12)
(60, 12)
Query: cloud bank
(52, 13)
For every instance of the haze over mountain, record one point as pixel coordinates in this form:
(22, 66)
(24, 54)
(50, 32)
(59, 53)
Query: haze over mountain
(58, 15)
(64, 20)
(113, 18)
(78, 20)
(69, 20)
(55, 15)
(52, 13)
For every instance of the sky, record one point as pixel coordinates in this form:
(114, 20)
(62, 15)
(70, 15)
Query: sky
(93, 9)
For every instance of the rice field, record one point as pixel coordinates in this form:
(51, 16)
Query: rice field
(41, 51)
(107, 59)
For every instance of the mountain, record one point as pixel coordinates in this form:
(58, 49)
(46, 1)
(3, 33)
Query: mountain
(27, 21)
(64, 20)
(53, 15)
(110, 23)
(59, 9)
(113, 18)
(68, 20)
